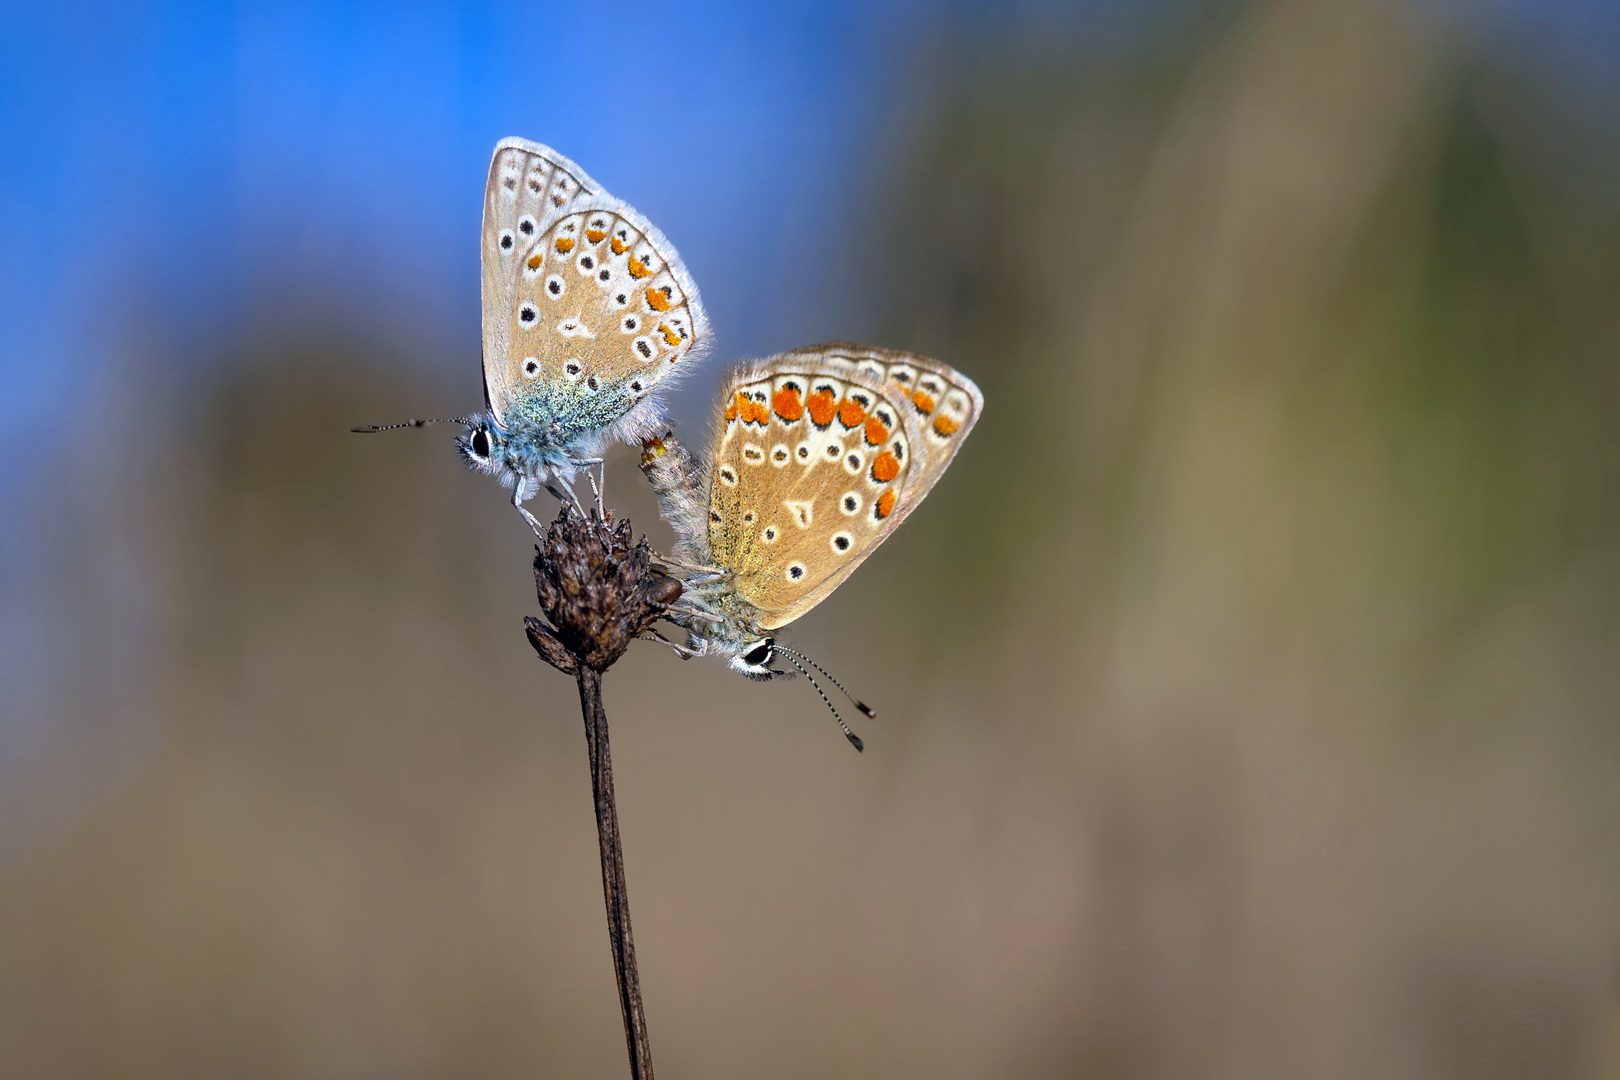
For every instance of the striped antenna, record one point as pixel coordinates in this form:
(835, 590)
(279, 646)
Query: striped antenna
(854, 739)
(857, 702)
(372, 429)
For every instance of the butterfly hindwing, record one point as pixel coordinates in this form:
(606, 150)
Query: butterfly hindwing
(587, 309)
(820, 454)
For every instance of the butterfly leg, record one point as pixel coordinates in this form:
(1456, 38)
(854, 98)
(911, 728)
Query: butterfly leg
(692, 601)
(682, 651)
(517, 504)
(596, 488)
(694, 613)
(563, 493)
(710, 572)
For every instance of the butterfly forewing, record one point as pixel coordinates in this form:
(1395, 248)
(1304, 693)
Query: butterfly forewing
(529, 187)
(820, 454)
(939, 404)
(587, 311)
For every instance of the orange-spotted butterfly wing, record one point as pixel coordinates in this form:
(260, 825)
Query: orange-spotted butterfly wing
(935, 399)
(588, 313)
(588, 309)
(529, 188)
(820, 454)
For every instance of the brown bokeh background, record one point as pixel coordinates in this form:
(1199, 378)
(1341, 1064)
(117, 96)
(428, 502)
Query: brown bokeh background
(1247, 689)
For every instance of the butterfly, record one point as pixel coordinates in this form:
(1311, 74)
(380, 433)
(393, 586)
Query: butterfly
(817, 456)
(588, 314)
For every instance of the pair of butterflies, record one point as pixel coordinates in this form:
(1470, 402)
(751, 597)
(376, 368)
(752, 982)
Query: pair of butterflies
(817, 454)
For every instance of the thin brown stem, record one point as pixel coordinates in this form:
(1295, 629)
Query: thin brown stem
(613, 885)
(600, 592)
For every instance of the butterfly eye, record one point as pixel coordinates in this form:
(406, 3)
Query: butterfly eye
(760, 655)
(480, 443)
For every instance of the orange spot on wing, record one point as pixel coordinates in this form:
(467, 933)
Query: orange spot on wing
(924, 403)
(885, 467)
(747, 410)
(850, 413)
(787, 404)
(885, 504)
(657, 299)
(595, 235)
(534, 261)
(945, 425)
(820, 405)
(638, 269)
(617, 245)
(876, 433)
(670, 336)
(564, 245)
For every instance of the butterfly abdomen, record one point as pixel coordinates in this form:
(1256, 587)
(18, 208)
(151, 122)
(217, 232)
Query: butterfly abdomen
(679, 482)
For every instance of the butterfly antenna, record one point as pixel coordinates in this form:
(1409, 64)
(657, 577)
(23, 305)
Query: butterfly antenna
(854, 739)
(857, 702)
(372, 429)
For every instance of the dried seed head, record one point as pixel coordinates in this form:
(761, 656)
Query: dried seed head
(598, 591)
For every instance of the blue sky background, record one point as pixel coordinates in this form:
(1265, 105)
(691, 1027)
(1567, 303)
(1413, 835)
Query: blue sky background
(177, 172)
(170, 158)
(164, 160)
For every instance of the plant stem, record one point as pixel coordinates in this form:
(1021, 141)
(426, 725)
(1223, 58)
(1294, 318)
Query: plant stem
(613, 886)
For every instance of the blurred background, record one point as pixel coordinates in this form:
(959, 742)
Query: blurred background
(1247, 690)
